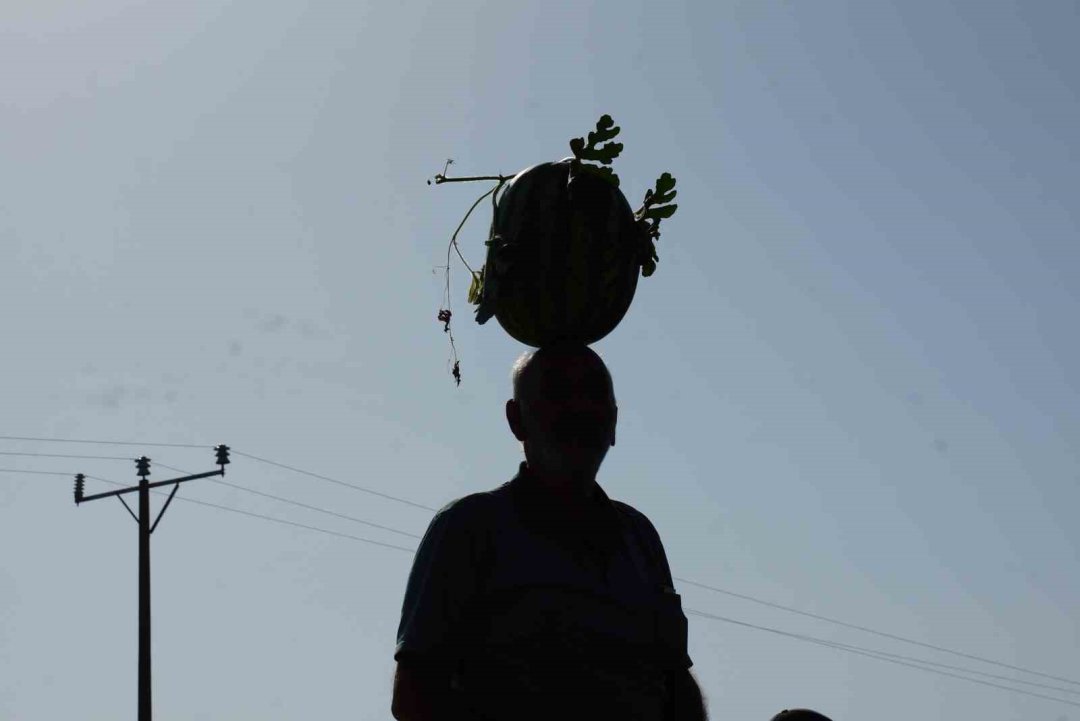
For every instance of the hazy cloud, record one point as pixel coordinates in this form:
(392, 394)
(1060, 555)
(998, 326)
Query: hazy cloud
(114, 395)
(273, 323)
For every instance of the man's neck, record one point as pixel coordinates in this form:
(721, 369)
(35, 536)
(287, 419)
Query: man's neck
(573, 492)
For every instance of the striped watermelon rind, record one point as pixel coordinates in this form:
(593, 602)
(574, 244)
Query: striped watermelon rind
(563, 259)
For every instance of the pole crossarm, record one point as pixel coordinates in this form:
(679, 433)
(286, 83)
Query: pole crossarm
(162, 511)
(121, 499)
(132, 489)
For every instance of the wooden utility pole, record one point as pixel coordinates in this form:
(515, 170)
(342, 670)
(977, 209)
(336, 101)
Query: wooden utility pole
(145, 529)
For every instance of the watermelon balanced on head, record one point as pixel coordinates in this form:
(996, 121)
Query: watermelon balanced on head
(563, 258)
(565, 250)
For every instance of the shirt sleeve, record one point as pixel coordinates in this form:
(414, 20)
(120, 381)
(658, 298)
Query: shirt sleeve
(672, 618)
(441, 583)
(656, 547)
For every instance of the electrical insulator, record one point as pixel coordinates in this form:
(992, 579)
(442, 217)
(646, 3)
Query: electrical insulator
(80, 482)
(222, 455)
(143, 464)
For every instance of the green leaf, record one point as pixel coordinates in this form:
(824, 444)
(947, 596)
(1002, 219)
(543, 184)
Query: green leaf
(648, 268)
(593, 150)
(601, 172)
(664, 192)
(665, 183)
(604, 154)
(660, 198)
(658, 213)
(605, 130)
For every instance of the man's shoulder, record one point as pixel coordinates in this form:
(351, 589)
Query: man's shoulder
(473, 505)
(644, 529)
(636, 517)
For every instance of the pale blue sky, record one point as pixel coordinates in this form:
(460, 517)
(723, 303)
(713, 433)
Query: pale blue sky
(851, 386)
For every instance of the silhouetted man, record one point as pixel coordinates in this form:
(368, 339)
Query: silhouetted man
(544, 598)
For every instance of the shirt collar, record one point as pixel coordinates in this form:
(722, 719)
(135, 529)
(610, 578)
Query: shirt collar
(535, 509)
(525, 482)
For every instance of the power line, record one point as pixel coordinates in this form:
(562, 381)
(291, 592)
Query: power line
(965, 669)
(102, 443)
(333, 480)
(875, 632)
(243, 512)
(909, 661)
(881, 656)
(66, 455)
(746, 597)
(253, 457)
(271, 518)
(897, 659)
(301, 505)
(320, 510)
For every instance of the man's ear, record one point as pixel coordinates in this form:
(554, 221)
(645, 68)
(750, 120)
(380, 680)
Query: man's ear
(513, 417)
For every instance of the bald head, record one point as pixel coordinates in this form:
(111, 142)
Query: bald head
(534, 367)
(563, 411)
(799, 714)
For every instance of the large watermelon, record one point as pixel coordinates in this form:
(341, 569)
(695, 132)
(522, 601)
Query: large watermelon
(563, 259)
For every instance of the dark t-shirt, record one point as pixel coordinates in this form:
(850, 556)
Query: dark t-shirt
(542, 616)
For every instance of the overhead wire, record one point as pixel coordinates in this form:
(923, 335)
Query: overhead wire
(715, 589)
(269, 518)
(334, 480)
(888, 657)
(965, 669)
(789, 609)
(224, 508)
(38, 439)
(910, 659)
(881, 656)
(36, 473)
(328, 479)
(875, 632)
(271, 496)
(66, 455)
(920, 664)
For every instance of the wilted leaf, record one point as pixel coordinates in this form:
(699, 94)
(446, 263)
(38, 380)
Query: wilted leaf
(476, 287)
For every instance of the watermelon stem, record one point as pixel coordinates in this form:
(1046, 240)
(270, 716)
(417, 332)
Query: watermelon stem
(453, 245)
(440, 178)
